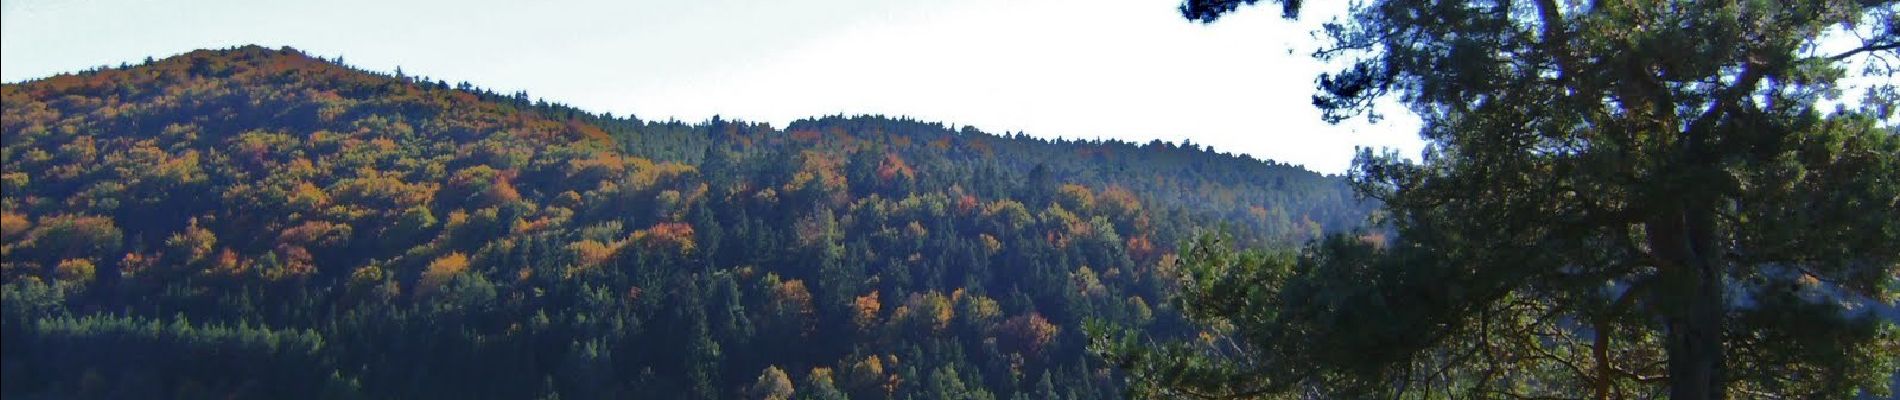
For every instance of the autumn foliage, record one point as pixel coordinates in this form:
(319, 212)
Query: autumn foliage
(263, 223)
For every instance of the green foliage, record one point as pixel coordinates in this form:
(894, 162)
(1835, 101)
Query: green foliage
(1620, 200)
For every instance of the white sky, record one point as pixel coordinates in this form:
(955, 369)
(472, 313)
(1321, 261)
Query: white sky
(1125, 69)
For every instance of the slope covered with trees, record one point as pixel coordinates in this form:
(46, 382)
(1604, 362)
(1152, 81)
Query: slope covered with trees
(259, 223)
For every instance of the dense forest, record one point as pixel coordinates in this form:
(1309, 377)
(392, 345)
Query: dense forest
(259, 223)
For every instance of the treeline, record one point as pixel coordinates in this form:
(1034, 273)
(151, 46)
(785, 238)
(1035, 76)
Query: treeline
(259, 223)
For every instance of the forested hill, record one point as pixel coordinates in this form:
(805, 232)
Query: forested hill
(256, 223)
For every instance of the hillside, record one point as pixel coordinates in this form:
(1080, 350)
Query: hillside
(257, 223)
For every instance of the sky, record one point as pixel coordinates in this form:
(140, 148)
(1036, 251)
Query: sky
(1090, 69)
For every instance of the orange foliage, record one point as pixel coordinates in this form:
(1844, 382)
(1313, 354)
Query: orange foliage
(227, 264)
(805, 136)
(666, 235)
(790, 299)
(440, 272)
(484, 184)
(1119, 200)
(1027, 334)
(12, 226)
(867, 308)
(502, 192)
(534, 225)
(966, 204)
(893, 168)
(1376, 240)
(589, 131)
(598, 166)
(297, 264)
(1139, 248)
(315, 234)
(134, 264)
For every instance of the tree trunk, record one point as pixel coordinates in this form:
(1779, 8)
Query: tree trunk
(1600, 349)
(1693, 303)
(1695, 343)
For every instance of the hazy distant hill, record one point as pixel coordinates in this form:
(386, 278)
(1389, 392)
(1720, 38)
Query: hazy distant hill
(259, 223)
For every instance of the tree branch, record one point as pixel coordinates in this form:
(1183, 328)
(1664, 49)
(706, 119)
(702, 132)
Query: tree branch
(1864, 49)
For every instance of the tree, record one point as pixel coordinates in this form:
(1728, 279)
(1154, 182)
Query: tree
(1622, 178)
(945, 383)
(820, 386)
(772, 384)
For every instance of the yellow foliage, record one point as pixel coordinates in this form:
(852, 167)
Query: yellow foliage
(1087, 282)
(366, 275)
(934, 306)
(819, 170)
(307, 197)
(1077, 196)
(382, 191)
(980, 308)
(194, 243)
(457, 219)
(590, 254)
(867, 372)
(820, 374)
(648, 175)
(1167, 266)
(915, 230)
(766, 196)
(772, 384)
(599, 166)
(77, 271)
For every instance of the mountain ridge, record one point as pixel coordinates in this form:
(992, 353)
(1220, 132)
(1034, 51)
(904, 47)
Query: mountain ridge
(340, 233)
